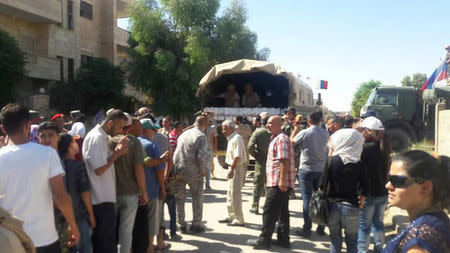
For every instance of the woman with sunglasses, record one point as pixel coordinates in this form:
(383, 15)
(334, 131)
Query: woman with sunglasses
(375, 158)
(346, 182)
(419, 183)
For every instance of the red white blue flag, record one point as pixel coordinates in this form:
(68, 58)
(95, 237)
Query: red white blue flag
(321, 84)
(438, 75)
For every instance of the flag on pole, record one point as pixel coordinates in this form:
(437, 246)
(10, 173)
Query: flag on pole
(439, 74)
(321, 84)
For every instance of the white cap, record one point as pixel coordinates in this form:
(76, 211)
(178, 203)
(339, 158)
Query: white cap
(129, 119)
(263, 114)
(372, 123)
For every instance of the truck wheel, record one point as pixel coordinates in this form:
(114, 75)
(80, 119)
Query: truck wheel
(399, 140)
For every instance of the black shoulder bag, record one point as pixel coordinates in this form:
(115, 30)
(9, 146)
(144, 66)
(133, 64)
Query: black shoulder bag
(319, 205)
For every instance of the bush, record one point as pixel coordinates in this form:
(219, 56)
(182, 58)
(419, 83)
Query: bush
(12, 66)
(98, 85)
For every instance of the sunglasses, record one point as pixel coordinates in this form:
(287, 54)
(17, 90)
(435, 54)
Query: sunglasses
(404, 181)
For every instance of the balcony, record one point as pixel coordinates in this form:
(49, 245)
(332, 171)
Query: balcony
(121, 37)
(35, 11)
(42, 67)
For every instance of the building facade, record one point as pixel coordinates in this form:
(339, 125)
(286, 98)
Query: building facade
(58, 36)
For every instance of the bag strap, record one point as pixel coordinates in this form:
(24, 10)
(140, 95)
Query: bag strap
(325, 186)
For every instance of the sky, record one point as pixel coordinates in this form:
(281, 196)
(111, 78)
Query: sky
(350, 42)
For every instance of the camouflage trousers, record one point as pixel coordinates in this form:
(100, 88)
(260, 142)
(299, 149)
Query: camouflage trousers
(195, 183)
(259, 185)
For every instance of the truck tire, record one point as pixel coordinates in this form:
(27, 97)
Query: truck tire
(399, 140)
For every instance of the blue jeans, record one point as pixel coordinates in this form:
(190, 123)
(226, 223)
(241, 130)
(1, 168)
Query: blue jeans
(126, 206)
(343, 216)
(309, 182)
(85, 244)
(171, 205)
(371, 218)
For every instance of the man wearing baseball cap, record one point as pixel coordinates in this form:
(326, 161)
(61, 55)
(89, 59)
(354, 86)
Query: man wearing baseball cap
(155, 186)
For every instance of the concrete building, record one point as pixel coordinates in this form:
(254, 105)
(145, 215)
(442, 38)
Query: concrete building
(60, 35)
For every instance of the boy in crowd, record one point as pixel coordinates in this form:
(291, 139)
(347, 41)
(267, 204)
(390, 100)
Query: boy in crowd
(77, 184)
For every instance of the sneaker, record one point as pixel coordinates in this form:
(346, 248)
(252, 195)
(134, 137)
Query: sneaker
(258, 244)
(226, 220)
(236, 222)
(175, 237)
(195, 229)
(183, 229)
(303, 233)
(255, 211)
(208, 189)
(320, 231)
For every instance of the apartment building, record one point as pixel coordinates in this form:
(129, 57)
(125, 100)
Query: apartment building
(60, 35)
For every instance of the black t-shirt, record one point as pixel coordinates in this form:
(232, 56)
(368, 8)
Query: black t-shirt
(375, 169)
(346, 181)
(77, 182)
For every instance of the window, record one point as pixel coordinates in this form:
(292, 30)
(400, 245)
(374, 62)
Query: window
(61, 67)
(386, 99)
(70, 14)
(71, 69)
(85, 10)
(85, 59)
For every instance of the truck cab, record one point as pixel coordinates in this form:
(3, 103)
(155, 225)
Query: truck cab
(400, 110)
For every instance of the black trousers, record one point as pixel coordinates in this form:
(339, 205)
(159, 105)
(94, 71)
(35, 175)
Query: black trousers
(276, 208)
(52, 248)
(141, 230)
(103, 236)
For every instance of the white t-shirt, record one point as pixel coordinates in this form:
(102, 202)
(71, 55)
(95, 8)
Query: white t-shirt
(25, 171)
(96, 150)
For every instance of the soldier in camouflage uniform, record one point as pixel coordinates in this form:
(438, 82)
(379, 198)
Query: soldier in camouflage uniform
(257, 147)
(190, 157)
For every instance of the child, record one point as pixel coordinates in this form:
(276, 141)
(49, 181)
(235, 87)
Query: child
(77, 184)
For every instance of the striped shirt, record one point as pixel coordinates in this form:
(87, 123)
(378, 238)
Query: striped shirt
(280, 148)
(173, 137)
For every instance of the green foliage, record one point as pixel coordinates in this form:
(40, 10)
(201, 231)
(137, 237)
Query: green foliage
(175, 42)
(362, 94)
(98, 85)
(12, 66)
(417, 80)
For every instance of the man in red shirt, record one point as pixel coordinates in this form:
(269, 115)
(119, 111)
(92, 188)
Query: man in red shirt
(280, 175)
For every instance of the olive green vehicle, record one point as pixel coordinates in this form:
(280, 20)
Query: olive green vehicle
(407, 113)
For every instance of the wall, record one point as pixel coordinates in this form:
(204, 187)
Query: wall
(442, 141)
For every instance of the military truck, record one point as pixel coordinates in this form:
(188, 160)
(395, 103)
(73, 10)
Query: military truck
(407, 113)
(276, 88)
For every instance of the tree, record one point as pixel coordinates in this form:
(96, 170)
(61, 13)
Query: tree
(362, 94)
(98, 85)
(12, 66)
(174, 42)
(417, 80)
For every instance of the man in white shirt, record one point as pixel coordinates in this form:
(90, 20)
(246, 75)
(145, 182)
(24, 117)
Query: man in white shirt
(236, 158)
(99, 159)
(31, 178)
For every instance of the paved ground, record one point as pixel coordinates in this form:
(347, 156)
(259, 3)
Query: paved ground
(222, 238)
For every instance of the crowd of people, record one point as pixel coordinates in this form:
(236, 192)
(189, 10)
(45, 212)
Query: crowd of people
(104, 190)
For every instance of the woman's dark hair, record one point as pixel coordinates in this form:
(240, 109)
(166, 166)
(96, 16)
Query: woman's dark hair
(420, 164)
(64, 142)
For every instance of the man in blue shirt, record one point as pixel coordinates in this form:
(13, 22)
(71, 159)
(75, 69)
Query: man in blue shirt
(314, 153)
(154, 178)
